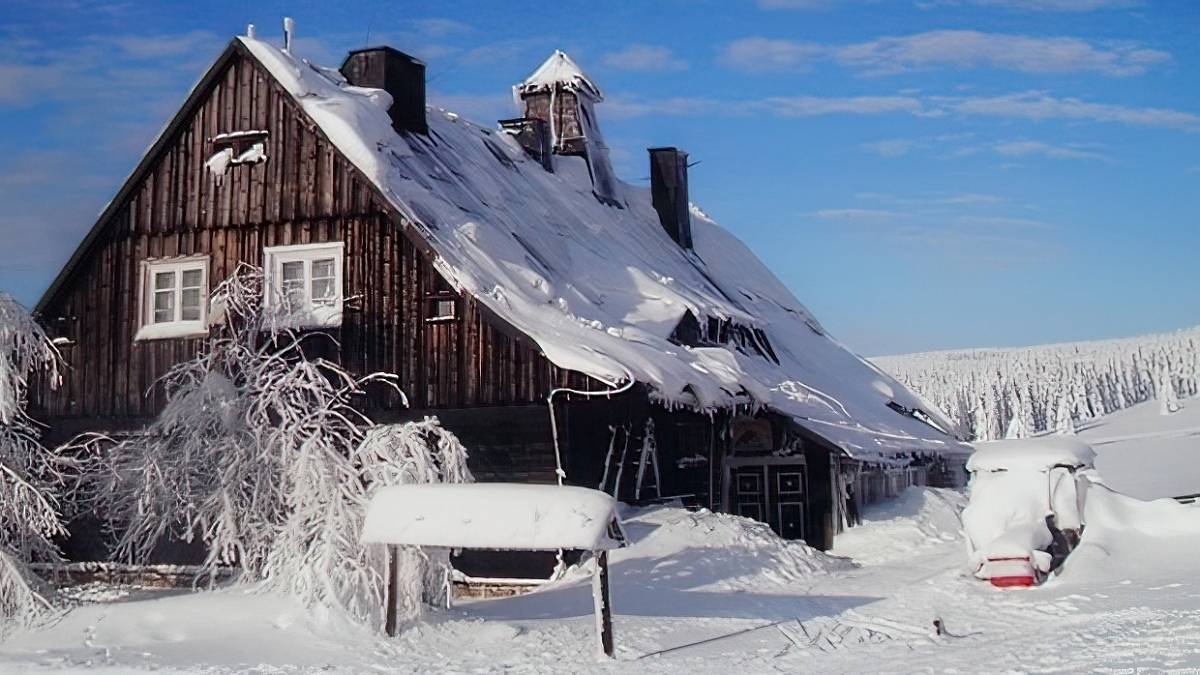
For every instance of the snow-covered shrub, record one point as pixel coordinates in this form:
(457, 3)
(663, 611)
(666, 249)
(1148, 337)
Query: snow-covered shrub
(259, 454)
(1016, 393)
(29, 515)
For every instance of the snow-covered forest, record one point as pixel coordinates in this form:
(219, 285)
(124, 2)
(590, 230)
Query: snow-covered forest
(1017, 392)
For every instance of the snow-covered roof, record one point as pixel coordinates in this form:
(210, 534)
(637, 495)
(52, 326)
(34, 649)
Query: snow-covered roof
(560, 69)
(601, 288)
(1031, 454)
(496, 516)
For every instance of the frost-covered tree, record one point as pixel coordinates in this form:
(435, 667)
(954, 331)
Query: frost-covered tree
(259, 454)
(1168, 400)
(404, 454)
(29, 516)
(984, 389)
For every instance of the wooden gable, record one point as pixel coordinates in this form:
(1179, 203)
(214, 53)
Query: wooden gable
(305, 191)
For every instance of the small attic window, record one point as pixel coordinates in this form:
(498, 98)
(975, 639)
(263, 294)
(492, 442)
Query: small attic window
(441, 305)
(919, 415)
(714, 332)
(235, 148)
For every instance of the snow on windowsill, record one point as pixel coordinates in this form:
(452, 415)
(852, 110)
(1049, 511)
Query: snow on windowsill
(175, 329)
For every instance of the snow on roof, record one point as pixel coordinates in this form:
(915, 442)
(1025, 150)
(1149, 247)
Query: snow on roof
(498, 516)
(560, 69)
(601, 288)
(1031, 454)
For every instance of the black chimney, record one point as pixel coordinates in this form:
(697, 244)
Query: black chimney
(398, 74)
(669, 193)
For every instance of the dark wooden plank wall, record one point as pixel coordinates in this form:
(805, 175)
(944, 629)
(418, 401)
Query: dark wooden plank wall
(305, 192)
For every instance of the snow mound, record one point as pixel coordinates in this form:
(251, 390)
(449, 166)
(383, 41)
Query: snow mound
(718, 551)
(920, 518)
(1031, 454)
(222, 631)
(1127, 538)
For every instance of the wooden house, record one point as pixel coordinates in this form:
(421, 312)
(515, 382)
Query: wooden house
(562, 322)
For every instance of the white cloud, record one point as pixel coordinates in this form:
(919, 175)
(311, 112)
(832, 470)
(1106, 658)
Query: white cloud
(1034, 105)
(974, 49)
(158, 46)
(809, 106)
(766, 54)
(1026, 148)
(436, 27)
(964, 226)
(796, 4)
(948, 48)
(890, 147)
(778, 106)
(1041, 5)
(856, 215)
(1030, 105)
(646, 58)
(934, 200)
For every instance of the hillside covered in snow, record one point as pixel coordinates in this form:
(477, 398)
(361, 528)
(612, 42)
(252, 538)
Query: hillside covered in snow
(1019, 392)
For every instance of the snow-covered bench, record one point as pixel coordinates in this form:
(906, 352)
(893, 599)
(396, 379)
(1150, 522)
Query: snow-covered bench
(499, 517)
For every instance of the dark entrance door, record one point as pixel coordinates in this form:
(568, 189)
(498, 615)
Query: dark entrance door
(772, 494)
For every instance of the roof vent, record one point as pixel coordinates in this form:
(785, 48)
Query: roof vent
(400, 75)
(534, 136)
(669, 193)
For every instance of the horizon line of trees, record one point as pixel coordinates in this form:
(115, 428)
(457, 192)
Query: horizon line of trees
(1020, 392)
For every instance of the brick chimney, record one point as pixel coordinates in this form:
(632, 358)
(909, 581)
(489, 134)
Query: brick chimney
(669, 193)
(400, 75)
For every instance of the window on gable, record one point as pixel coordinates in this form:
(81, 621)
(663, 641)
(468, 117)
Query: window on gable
(304, 284)
(235, 148)
(174, 298)
(919, 415)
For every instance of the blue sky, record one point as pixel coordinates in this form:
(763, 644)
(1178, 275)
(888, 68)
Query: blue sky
(923, 174)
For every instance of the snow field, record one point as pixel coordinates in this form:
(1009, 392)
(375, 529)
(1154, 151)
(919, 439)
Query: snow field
(711, 593)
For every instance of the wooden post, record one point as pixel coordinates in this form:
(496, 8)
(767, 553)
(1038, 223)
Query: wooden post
(603, 602)
(391, 599)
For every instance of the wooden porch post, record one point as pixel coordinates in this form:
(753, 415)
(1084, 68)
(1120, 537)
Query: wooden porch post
(600, 595)
(391, 598)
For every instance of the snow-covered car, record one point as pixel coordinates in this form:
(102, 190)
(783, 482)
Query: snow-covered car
(1026, 507)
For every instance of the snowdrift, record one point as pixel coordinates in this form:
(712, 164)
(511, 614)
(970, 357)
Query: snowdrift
(1128, 538)
(702, 550)
(917, 520)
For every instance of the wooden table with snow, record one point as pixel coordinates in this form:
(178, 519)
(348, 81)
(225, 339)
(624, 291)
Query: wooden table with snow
(501, 517)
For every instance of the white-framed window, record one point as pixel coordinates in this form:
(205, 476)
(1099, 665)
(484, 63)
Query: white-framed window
(174, 298)
(304, 284)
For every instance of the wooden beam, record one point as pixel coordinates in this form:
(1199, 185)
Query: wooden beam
(603, 602)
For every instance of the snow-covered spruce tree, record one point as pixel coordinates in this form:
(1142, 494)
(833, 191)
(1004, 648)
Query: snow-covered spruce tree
(29, 515)
(258, 454)
(983, 389)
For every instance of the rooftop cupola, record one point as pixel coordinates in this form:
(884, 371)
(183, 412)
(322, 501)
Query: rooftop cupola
(562, 96)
